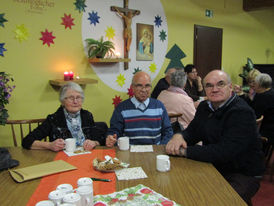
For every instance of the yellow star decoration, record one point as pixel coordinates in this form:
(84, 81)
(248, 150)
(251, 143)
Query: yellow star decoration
(153, 67)
(110, 33)
(21, 33)
(121, 80)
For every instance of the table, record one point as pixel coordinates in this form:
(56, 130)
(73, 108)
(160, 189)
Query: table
(187, 183)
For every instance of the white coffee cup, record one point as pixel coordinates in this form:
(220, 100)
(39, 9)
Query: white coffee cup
(86, 193)
(66, 188)
(162, 163)
(56, 196)
(70, 144)
(85, 181)
(45, 203)
(123, 143)
(72, 198)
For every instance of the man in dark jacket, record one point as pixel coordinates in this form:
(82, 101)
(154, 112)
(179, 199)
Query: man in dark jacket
(227, 127)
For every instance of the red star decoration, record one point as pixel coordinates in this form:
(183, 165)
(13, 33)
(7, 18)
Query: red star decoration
(116, 100)
(130, 92)
(47, 37)
(67, 21)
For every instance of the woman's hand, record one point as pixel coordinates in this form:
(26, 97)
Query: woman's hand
(111, 140)
(57, 145)
(89, 144)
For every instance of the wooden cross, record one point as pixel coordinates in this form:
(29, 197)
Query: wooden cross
(127, 15)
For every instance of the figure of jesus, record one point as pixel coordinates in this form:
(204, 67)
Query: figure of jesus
(127, 30)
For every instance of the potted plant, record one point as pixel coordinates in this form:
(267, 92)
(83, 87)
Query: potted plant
(99, 48)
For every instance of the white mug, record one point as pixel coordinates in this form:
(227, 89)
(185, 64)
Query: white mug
(85, 181)
(86, 193)
(45, 203)
(123, 143)
(66, 188)
(72, 198)
(162, 163)
(70, 144)
(56, 196)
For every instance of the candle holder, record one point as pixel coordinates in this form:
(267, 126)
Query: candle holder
(71, 75)
(66, 76)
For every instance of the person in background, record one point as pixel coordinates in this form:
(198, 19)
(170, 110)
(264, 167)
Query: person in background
(227, 127)
(69, 121)
(176, 100)
(144, 120)
(194, 87)
(263, 104)
(163, 83)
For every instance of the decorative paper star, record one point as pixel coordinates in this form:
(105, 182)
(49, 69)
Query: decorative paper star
(158, 21)
(130, 92)
(67, 21)
(94, 18)
(47, 37)
(2, 49)
(136, 70)
(21, 33)
(121, 80)
(110, 33)
(116, 100)
(162, 35)
(80, 5)
(2, 20)
(153, 67)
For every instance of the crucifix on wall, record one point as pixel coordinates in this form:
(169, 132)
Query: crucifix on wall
(127, 15)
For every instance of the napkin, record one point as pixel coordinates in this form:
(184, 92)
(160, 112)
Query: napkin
(141, 148)
(77, 153)
(130, 173)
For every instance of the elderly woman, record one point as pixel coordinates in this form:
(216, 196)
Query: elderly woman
(263, 104)
(176, 100)
(69, 121)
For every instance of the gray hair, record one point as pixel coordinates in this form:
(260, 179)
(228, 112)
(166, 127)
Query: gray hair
(73, 86)
(178, 79)
(264, 80)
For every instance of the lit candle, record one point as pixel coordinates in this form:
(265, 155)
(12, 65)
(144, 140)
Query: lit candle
(117, 54)
(71, 75)
(66, 76)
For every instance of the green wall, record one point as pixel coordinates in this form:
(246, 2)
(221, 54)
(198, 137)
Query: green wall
(33, 65)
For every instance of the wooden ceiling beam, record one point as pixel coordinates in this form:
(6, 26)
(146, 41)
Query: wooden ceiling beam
(252, 5)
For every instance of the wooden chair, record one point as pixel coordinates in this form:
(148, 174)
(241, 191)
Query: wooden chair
(259, 122)
(29, 123)
(176, 126)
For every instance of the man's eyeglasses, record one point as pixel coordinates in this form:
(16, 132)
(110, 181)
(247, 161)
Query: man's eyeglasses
(72, 98)
(140, 86)
(219, 85)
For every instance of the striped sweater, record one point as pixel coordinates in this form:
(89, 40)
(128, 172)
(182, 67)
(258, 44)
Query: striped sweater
(151, 126)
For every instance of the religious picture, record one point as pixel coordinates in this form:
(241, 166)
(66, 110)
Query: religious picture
(145, 42)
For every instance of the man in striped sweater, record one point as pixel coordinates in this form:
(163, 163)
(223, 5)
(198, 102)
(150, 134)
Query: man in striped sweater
(144, 120)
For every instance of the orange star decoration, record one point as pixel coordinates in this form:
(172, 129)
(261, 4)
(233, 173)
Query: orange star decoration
(121, 80)
(130, 92)
(47, 37)
(153, 67)
(116, 100)
(67, 21)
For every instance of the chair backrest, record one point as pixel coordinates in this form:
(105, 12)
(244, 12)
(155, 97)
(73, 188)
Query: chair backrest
(29, 123)
(172, 115)
(259, 121)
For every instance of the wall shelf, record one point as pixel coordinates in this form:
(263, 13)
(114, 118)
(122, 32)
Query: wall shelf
(107, 60)
(81, 81)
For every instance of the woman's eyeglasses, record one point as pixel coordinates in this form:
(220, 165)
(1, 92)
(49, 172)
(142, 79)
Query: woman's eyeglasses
(72, 98)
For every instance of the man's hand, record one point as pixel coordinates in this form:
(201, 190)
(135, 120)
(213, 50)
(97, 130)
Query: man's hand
(111, 140)
(57, 145)
(174, 145)
(89, 144)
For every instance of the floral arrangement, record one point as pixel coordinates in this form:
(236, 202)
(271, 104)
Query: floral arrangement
(5, 93)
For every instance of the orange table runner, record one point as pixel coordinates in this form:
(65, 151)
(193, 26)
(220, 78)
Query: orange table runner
(84, 169)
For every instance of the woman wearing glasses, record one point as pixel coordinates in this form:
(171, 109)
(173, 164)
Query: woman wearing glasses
(69, 121)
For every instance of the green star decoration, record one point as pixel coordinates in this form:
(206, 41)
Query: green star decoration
(2, 20)
(110, 33)
(121, 80)
(153, 67)
(21, 33)
(80, 5)
(136, 70)
(162, 35)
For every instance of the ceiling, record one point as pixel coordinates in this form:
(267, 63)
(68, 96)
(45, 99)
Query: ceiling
(252, 5)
